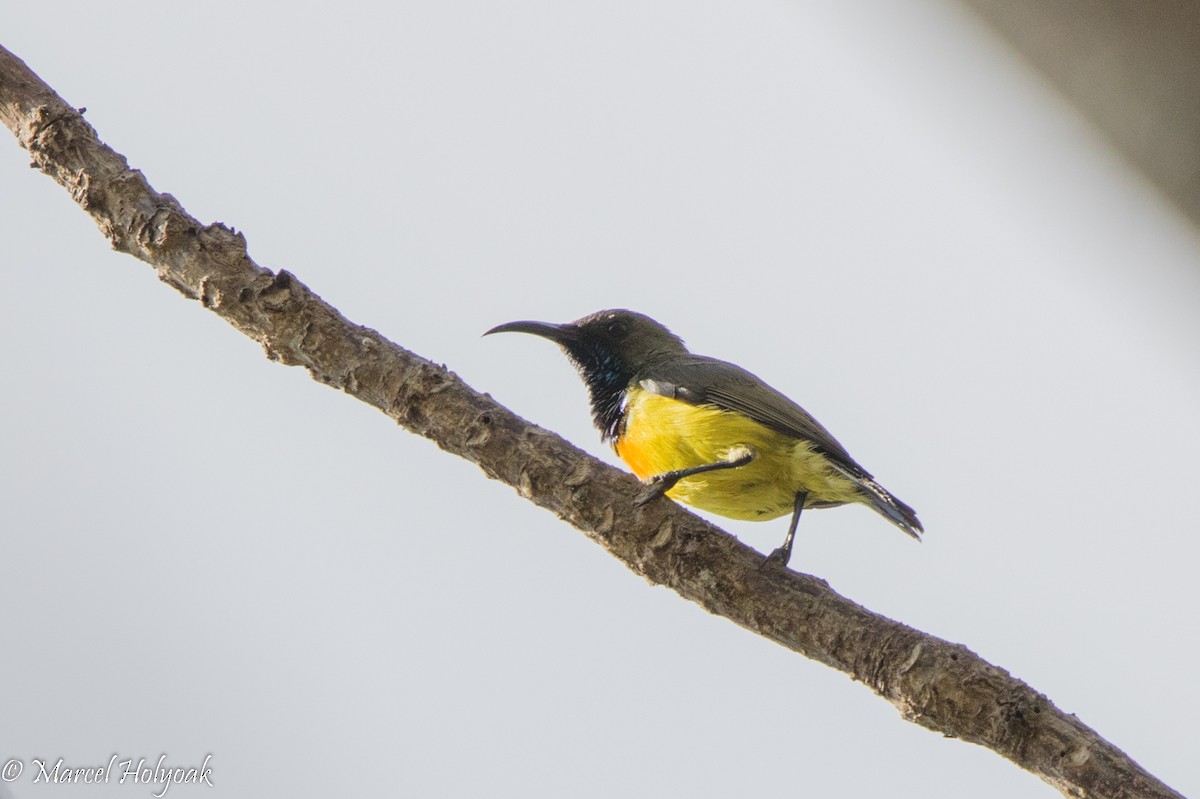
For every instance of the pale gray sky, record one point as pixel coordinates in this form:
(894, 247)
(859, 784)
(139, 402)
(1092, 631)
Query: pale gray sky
(872, 205)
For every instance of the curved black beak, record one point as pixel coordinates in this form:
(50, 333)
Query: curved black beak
(560, 334)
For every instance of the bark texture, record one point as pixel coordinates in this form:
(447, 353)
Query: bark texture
(934, 683)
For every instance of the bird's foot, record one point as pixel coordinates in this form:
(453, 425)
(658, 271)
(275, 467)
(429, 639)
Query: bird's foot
(779, 557)
(655, 488)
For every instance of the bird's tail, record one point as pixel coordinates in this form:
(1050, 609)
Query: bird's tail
(890, 508)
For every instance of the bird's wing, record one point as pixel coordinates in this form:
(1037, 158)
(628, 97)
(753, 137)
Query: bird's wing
(707, 381)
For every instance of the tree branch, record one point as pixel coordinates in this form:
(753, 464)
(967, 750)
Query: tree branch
(942, 686)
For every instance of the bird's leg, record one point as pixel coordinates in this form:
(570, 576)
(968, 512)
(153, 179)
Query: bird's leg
(784, 553)
(662, 483)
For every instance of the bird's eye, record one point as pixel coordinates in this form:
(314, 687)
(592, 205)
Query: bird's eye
(616, 328)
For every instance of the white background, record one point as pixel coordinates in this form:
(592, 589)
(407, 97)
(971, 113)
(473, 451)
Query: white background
(874, 206)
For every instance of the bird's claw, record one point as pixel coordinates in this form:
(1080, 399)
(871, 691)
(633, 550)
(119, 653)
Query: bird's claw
(779, 557)
(654, 489)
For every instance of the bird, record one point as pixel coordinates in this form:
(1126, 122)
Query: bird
(706, 432)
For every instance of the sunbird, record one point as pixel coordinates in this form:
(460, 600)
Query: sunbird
(709, 433)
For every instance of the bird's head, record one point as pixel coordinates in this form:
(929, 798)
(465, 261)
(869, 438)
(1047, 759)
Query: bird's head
(610, 349)
(610, 345)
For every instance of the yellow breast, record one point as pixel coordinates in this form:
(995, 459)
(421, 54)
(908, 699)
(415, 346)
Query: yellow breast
(662, 434)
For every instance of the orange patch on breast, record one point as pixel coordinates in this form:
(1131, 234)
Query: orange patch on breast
(635, 457)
